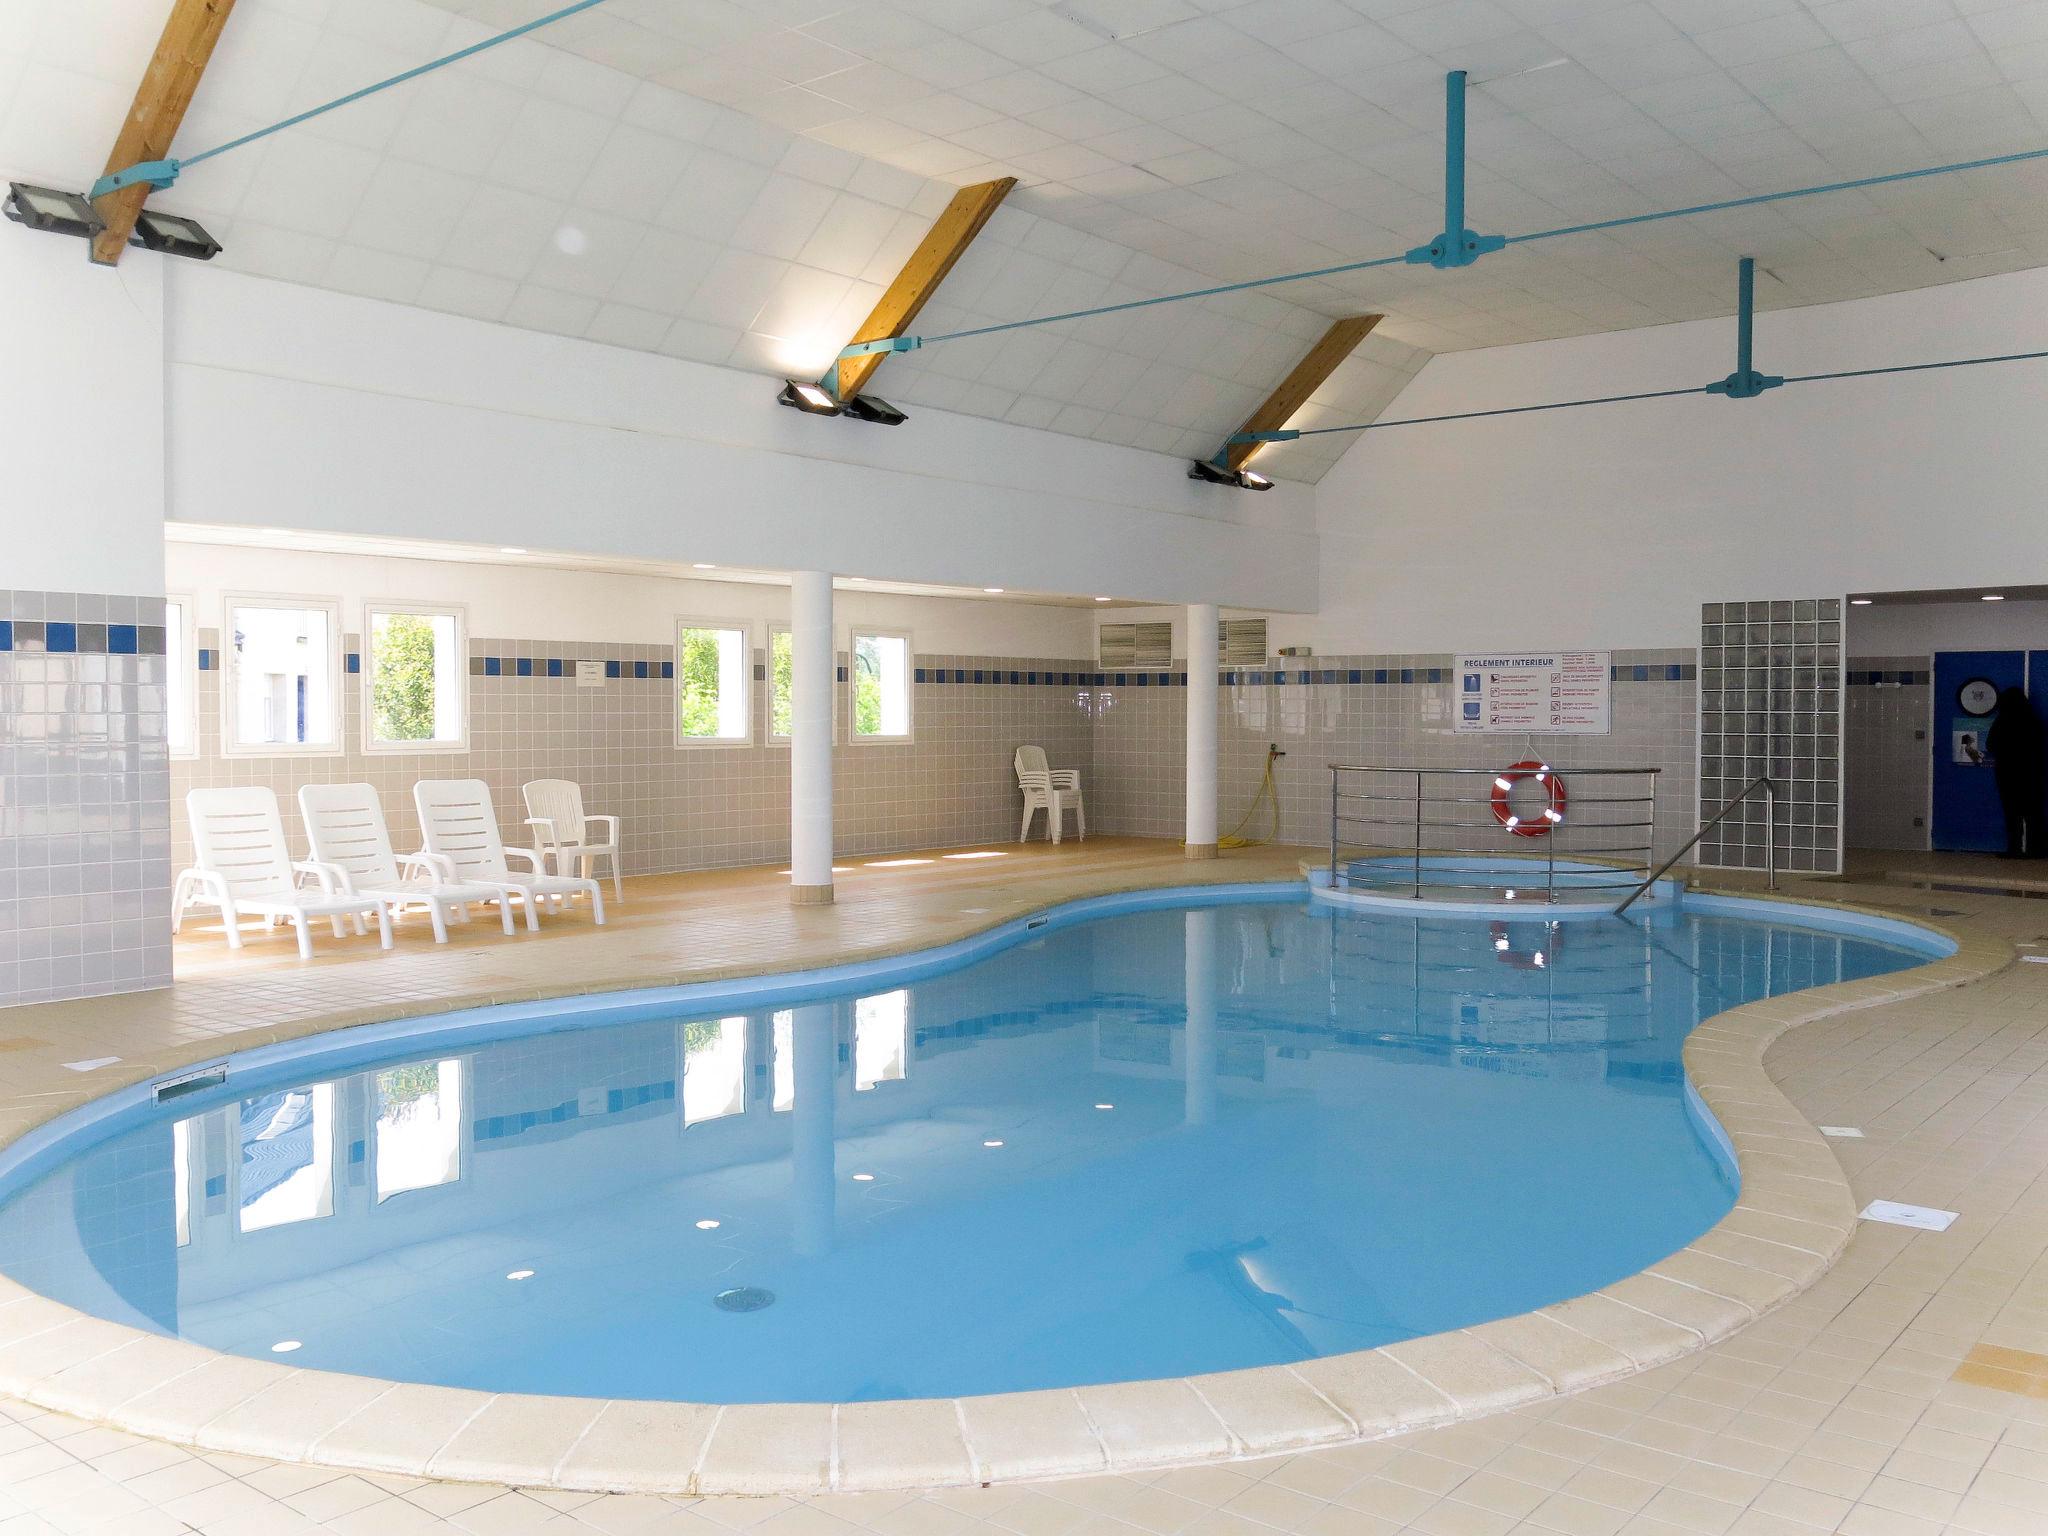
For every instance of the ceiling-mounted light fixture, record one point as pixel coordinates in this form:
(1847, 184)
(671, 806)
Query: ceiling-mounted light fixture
(172, 234)
(1993, 597)
(1217, 474)
(47, 208)
(811, 399)
(874, 408)
(1859, 602)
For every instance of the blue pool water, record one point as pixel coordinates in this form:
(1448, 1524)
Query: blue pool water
(1138, 1145)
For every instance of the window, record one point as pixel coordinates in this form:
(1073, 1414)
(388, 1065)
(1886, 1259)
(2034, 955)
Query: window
(287, 1168)
(881, 685)
(419, 1127)
(181, 678)
(714, 1069)
(714, 684)
(881, 1039)
(415, 679)
(281, 676)
(781, 668)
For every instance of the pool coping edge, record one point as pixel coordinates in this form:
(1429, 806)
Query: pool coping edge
(1790, 1223)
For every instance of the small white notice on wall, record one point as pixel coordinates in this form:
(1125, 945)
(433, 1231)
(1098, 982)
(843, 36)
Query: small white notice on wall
(1555, 693)
(589, 674)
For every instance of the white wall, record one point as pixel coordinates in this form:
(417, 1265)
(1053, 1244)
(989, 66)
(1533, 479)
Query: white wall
(295, 407)
(1609, 525)
(533, 602)
(81, 419)
(1921, 629)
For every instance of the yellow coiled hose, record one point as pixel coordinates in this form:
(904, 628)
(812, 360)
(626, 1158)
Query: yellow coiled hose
(1267, 795)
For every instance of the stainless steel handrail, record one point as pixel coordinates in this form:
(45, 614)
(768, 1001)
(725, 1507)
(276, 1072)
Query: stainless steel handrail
(1770, 790)
(1368, 803)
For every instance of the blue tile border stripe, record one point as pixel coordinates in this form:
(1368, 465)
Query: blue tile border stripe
(64, 637)
(633, 670)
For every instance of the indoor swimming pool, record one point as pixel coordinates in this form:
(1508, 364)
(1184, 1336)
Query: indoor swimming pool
(1137, 1138)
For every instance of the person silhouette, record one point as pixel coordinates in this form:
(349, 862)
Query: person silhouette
(2018, 750)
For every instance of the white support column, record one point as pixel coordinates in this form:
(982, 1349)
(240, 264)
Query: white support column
(813, 677)
(1202, 705)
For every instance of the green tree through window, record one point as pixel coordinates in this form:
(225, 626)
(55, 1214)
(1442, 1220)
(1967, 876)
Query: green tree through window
(402, 688)
(867, 687)
(781, 661)
(697, 690)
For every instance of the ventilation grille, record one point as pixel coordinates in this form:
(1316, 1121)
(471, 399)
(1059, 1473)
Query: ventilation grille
(1136, 645)
(1242, 642)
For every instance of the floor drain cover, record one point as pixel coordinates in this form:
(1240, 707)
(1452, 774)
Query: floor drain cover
(743, 1298)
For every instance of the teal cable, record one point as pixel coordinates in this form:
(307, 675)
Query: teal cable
(1286, 436)
(1779, 197)
(912, 343)
(383, 85)
(1168, 298)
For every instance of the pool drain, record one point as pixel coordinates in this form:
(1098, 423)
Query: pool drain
(743, 1298)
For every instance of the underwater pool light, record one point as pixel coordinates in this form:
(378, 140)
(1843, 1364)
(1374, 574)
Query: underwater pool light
(285, 1346)
(863, 1178)
(706, 1225)
(518, 1274)
(991, 1143)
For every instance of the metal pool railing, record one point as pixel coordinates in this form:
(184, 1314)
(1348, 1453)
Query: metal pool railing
(1432, 827)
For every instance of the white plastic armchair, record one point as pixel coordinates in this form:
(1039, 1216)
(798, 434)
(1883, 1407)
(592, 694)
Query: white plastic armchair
(1052, 790)
(459, 825)
(561, 830)
(242, 866)
(345, 828)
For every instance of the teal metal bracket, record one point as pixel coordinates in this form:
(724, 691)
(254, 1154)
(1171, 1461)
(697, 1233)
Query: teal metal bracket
(1238, 439)
(1457, 246)
(1745, 383)
(158, 173)
(887, 344)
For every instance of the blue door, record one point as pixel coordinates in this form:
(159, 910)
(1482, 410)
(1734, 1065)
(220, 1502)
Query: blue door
(1966, 687)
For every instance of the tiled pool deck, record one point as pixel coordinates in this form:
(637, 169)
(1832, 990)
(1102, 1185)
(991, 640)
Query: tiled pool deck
(1905, 1391)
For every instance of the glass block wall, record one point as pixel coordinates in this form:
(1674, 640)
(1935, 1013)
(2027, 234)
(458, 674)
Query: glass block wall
(1771, 704)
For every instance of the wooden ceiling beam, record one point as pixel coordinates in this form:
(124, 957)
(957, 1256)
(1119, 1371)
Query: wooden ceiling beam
(161, 100)
(1293, 392)
(943, 245)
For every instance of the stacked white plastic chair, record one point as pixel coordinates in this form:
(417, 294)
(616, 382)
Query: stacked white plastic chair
(561, 830)
(242, 866)
(459, 825)
(1052, 790)
(346, 830)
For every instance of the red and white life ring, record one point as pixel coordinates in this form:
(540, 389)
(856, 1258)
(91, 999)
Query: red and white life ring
(1552, 814)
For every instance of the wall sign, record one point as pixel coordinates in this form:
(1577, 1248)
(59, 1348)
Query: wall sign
(589, 674)
(1548, 693)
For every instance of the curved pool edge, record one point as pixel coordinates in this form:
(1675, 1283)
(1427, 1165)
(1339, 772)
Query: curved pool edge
(1791, 1221)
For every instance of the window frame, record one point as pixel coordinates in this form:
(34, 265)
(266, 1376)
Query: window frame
(745, 629)
(366, 683)
(231, 671)
(188, 664)
(854, 635)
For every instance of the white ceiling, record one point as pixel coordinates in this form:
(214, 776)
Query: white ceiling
(734, 181)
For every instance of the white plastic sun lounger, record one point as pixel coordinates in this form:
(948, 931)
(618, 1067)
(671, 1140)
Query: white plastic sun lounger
(243, 867)
(459, 826)
(345, 827)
